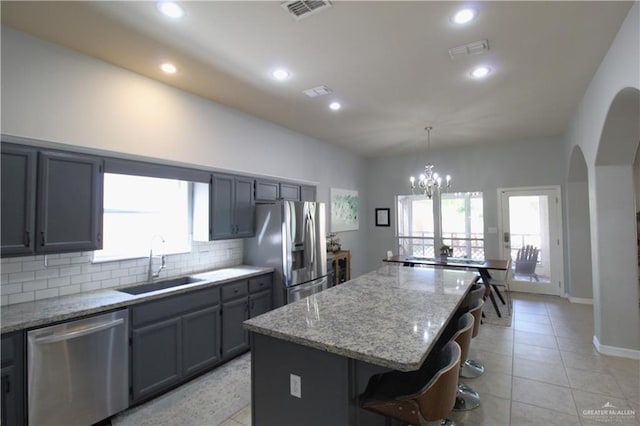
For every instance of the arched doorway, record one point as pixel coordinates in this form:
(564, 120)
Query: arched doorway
(613, 229)
(580, 283)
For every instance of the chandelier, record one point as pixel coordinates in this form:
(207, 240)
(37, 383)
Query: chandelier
(429, 182)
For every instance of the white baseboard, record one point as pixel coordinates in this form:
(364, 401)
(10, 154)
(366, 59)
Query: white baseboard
(581, 300)
(615, 351)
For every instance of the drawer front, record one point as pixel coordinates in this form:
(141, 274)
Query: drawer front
(174, 305)
(234, 290)
(260, 283)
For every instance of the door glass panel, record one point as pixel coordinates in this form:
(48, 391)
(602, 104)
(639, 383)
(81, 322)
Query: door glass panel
(531, 227)
(529, 223)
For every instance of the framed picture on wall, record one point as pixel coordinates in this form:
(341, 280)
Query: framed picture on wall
(344, 210)
(382, 217)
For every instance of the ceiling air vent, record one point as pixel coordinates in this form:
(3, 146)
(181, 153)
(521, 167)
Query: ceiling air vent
(302, 8)
(317, 91)
(474, 48)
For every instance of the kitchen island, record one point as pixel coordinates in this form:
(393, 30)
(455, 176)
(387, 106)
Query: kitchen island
(312, 358)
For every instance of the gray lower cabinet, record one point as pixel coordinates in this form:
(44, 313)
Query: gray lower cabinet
(156, 358)
(12, 376)
(260, 302)
(201, 350)
(173, 339)
(260, 294)
(232, 207)
(235, 310)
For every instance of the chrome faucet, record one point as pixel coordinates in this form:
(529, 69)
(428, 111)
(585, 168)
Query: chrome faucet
(151, 273)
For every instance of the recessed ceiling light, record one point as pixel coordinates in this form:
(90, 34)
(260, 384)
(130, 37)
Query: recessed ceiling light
(464, 15)
(170, 9)
(480, 72)
(168, 68)
(281, 74)
(335, 106)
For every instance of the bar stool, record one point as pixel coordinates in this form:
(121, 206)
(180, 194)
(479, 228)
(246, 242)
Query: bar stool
(428, 394)
(466, 398)
(471, 368)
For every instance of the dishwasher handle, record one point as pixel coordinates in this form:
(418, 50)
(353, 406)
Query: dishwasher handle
(78, 333)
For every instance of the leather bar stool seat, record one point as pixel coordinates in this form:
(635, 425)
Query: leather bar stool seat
(428, 394)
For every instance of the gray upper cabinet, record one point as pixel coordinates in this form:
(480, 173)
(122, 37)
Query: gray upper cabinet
(18, 200)
(51, 201)
(307, 193)
(245, 207)
(267, 191)
(69, 213)
(232, 207)
(289, 191)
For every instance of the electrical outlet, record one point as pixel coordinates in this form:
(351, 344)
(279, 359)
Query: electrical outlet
(296, 386)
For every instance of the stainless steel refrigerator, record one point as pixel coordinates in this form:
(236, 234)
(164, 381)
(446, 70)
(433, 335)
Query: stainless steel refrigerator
(290, 237)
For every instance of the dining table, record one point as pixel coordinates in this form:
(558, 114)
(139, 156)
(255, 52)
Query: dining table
(483, 266)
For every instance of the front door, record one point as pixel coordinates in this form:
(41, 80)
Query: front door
(531, 231)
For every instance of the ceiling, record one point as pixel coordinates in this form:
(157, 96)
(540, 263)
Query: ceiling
(387, 62)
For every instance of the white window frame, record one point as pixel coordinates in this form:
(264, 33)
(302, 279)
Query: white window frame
(428, 246)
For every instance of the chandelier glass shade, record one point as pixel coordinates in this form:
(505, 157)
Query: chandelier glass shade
(429, 182)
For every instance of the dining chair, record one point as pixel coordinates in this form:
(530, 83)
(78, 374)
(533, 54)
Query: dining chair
(427, 395)
(503, 282)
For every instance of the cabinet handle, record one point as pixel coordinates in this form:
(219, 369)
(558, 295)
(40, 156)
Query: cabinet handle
(27, 239)
(42, 238)
(99, 237)
(7, 386)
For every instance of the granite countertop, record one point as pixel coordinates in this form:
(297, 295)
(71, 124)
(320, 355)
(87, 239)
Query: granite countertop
(46, 311)
(390, 317)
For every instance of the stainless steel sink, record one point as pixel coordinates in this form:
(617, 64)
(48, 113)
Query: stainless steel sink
(160, 285)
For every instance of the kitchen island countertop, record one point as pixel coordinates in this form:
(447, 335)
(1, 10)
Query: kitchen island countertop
(391, 317)
(46, 311)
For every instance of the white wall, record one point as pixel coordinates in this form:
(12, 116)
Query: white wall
(486, 168)
(614, 269)
(55, 94)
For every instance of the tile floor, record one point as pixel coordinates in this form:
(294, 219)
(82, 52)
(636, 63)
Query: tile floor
(543, 370)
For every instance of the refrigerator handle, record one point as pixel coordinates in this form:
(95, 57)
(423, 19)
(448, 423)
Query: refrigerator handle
(310, 240)
(287, 247)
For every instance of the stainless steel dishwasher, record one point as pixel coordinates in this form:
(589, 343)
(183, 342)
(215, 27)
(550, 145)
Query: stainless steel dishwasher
(78, 371)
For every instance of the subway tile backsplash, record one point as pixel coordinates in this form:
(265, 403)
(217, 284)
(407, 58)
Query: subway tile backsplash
(24, 279)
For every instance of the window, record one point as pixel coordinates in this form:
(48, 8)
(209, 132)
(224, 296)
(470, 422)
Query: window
(463, 224)
(140, 212)
(455, 219)
(416, 230)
